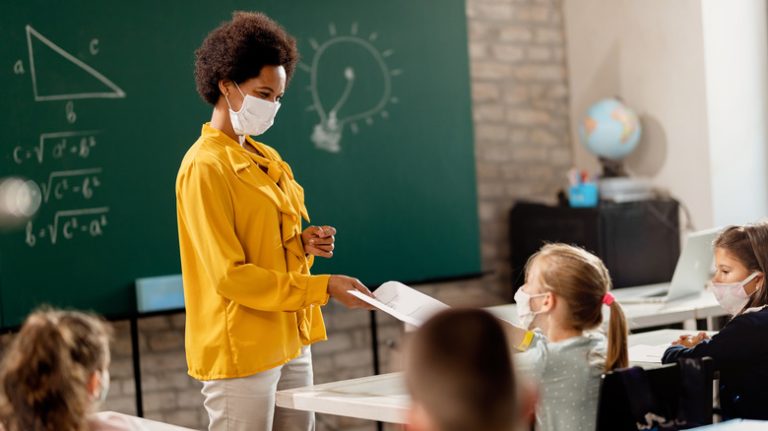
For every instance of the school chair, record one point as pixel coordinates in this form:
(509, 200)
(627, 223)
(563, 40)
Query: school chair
(669, 398)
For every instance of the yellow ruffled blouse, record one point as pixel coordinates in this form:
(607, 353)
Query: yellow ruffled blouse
(250, 299)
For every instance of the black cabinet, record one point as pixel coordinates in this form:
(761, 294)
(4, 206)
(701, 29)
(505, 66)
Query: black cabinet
(638, 241)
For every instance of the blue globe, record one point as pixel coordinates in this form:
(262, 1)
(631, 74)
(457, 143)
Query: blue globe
(610, 130)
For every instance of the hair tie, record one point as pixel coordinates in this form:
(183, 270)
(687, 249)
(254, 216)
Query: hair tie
(608, 299)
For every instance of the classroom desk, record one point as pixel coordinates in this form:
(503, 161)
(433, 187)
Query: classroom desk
(380, 398)
(656, 338)
(137, 422)
(735, 425)
(661, 336)
(639, 316)
(703, 306)
(384, 397)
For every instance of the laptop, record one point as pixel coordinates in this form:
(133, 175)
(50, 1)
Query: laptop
(692, 272)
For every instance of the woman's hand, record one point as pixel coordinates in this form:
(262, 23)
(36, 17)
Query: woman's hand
(318, 241)
(689, 341)
(338, 287)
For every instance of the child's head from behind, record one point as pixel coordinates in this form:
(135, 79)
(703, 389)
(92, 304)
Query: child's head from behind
(459, 373)
(54, 371)
(741, 259)
(570, 280)
(567, 286)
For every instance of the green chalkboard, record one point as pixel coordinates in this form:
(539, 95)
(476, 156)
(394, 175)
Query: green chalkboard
(98, 107)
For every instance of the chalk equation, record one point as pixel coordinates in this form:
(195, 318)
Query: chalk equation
(68, 224)
(96, 86)
(80, 182)
(60, 187)
(65, 166)
(57, 146)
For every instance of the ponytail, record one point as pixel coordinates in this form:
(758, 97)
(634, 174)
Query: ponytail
(581, 279)
(618, 356)
(46, 370)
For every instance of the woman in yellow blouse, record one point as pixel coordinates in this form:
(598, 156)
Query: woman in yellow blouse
(253, 308)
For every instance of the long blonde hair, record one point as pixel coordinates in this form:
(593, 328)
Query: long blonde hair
(46, 370)
(582, 280)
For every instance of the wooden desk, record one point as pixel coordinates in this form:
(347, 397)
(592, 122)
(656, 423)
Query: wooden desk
(384, 397)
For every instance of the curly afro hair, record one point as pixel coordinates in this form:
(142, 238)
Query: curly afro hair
(239, 49)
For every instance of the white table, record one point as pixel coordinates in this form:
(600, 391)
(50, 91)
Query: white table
(384, 398)
(735, 425)
(661, 336)
(121, 421)
(702, 306)
(655, 338)
(639, 316)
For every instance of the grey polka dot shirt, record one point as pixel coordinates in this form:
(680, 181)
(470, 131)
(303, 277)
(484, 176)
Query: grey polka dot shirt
(568, 374)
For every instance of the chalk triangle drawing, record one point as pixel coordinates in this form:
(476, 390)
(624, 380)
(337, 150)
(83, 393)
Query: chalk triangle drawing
(59, 75)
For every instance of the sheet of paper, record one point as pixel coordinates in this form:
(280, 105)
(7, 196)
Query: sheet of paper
(403, 302)
(647, 353)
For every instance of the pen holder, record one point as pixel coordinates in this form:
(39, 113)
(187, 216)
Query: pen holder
(583, 195)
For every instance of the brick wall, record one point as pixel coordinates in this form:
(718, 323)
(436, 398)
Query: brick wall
(520, 104)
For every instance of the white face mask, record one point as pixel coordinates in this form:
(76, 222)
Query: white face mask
(255, 116)
(732, 296)
(104, 387)
(524, 312)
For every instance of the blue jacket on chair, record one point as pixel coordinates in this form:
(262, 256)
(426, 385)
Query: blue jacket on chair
(740, 354)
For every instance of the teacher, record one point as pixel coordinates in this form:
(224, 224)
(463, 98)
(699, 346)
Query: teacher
(253, 308)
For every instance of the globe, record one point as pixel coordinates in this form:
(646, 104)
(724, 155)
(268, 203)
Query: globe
(610, 130)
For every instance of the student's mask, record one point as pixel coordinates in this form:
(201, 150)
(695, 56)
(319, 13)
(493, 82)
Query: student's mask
(732, 296)
(255, 116)
(524, 313)
(104, 387)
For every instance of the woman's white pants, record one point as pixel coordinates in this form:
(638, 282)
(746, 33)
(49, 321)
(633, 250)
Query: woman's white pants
(248, 403)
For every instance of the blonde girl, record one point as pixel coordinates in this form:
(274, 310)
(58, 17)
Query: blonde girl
(560, 307)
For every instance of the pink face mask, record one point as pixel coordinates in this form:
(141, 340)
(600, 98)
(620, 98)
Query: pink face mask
(524, 313)
(732, 296)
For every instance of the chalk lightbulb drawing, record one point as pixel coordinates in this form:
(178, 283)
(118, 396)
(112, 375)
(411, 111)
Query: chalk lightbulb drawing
(327, 133)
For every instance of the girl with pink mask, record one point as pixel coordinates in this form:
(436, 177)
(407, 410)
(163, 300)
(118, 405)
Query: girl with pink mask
(740, 349)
